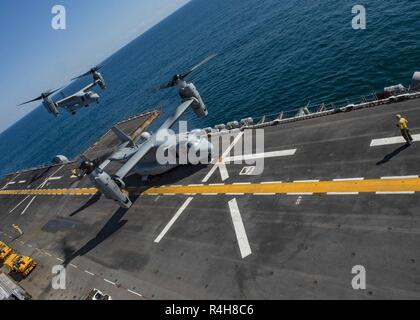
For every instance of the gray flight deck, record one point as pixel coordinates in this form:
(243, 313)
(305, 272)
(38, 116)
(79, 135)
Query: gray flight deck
(298, 246)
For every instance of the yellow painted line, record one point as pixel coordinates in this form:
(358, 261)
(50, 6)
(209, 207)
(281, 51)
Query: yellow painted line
(50, 192)
(361, 186)
(380, 186)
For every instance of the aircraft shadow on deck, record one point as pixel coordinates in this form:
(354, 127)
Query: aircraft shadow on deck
(111, 226)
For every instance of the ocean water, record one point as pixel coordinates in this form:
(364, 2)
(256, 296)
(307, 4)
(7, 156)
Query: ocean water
(273, 55)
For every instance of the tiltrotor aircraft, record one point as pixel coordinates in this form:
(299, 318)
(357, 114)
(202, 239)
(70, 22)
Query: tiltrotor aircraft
(76, 101)
(142, 156)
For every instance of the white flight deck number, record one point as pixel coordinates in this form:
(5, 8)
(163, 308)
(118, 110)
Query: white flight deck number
(58, 22)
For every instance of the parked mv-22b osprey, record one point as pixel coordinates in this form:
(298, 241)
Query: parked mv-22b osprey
(76, 101)
(142, 156)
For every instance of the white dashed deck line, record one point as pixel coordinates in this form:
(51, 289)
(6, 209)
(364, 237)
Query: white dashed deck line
(74, 266)
(300, 193)
(341, 193)
(48, 254)
(22, 181)
(209, 194)
(61, 260)
(399, 177)
(173, 220)
(262, 155)
(271, 182)
(90, 273)
(196, 185)
(135, 293)
(110, 282)
(394, 192)
(264, 194)
(30, 246)
(168, 194)
(350, 179)
(239, 227)
(241, 183)
(305, 181)
(216, 184)
(54, 178)
(392, 140)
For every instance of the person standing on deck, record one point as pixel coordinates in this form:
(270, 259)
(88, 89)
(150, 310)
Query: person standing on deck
(402, 124)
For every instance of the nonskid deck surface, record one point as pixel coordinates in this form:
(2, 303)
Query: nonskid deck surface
(333, 194)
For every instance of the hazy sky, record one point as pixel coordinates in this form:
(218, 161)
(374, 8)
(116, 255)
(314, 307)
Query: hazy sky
(34, 57)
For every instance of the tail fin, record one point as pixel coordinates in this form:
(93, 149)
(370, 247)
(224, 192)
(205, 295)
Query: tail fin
(122, 136)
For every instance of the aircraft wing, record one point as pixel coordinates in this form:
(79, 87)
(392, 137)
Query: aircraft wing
(178, 113)
(67, 101)
(89, 86)
(148, 145)
(131, 163)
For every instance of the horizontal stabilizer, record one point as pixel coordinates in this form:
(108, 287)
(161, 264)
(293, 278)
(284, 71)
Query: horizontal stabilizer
(122, 136)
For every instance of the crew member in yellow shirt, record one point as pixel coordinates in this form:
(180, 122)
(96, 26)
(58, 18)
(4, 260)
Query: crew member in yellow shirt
(402, 124)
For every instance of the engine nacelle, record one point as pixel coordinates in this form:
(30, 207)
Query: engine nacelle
(100, 80)
(189, 91)
(110, 188)
(51, 107)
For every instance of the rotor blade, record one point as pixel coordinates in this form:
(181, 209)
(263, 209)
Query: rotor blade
(199, 65)
(50, 92)
(36, 99)
(92, 70)
(81, 76)
(166, 85)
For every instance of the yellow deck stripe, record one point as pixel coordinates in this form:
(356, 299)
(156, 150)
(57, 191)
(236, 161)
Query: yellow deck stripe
(49, 192)
(365, 186)
(361, 186)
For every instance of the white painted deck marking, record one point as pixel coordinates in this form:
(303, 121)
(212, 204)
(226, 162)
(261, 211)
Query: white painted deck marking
(395, 192)
(274, 154)
(400, 177)
(299, 193)
(221, 159)
(392, 140)
(110, 282)
(240, 232)
(27, 207)
(341, 193)
(92, 274)
(12, 181)
(133, 292)
(247, 171)
(305, 181)
(350, 179)
(42, 185)
(54, 178)
(174, 218)
(264, 194)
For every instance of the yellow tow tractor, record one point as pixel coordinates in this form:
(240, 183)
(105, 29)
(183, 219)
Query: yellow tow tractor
(5, 251)
(22, 265)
